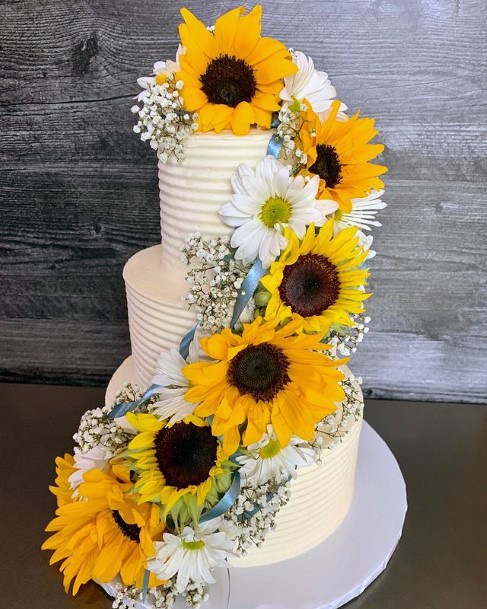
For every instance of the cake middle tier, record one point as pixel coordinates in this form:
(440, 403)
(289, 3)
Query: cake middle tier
(192, 191)
(158, 317)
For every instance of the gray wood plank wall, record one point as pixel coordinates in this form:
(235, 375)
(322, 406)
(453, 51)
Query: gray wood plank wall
(79, 190)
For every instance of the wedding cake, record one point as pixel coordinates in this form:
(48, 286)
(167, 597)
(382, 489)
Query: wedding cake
(232, 436)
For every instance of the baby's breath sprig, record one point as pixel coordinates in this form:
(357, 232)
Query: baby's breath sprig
(288, 130)
(335, 427)
(345, 340)
(163, 120)
(97, 428)
(160, 597)
(215, 278)
(126, 597)
(250, 529)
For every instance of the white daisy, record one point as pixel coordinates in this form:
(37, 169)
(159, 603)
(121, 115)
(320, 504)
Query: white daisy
(363, 212)
(192, 555)
(171, 404)
(266, 201)
(266, 459)
(160, 67)
(96, 458)
(308, 83)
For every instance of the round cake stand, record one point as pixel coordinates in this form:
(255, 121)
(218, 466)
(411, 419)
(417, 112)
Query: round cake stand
(341, 567)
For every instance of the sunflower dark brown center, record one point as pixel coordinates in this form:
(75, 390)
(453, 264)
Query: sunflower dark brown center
(228, 81)
(185, 454)
(327, 165)
(310, 285)
(131, 531)
(259, 371)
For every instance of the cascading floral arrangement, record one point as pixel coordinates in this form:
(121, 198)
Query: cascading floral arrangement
(167, 484)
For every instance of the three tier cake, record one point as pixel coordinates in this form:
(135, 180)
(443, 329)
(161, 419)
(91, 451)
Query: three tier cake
(233, 438)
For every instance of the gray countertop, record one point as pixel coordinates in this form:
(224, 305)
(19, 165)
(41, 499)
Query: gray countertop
(441, 560)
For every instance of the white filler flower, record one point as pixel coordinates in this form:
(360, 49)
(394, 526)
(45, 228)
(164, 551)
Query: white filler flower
(265, 202)
(267, 459)
(96, 458)
(171, 403)
(308, 83)
(192, 555)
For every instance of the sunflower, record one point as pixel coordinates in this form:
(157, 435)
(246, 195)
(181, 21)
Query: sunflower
(232, 76)
(62, 488)
(338, 151)
(318, 279)
(104, 532)
(267, 375)
(174, 460)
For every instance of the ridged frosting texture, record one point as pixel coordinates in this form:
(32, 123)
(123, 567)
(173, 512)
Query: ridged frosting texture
(320, 499)
(158, 319)
(192, 192)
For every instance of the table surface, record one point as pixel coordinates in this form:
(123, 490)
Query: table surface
(441, 560)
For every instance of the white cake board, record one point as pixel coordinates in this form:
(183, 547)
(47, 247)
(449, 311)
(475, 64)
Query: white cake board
(341, 567)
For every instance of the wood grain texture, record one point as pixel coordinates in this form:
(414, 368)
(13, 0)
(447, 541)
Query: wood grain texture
(79, 191)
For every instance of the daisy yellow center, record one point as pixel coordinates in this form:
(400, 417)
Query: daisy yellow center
(275, 210)
(132, 531)
(193, 545)
(260, 371)
(229, 81)
(327, 165)
(185, 454)
(271, 449)
(310, 285)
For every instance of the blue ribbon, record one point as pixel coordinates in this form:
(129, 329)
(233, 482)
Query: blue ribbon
(275, 120)
(119, 410)
(247, 290)
(145, 585)
(275, 146)
(225, 502)
(186, 341)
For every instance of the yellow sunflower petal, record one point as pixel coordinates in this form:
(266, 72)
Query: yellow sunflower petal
(265, 49)
(195, 35)
(248, 32)
(231, 441)
(243, 117)
(194, 98)
(265, 71)
(226, 30)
